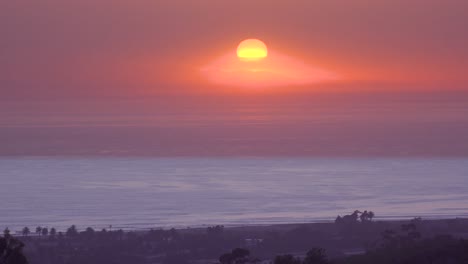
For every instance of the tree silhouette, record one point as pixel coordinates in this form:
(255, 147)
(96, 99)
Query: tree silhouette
(53, 232)
(39, 230)
(89, 233)
(237, 256)
(11, 251)
(26, 231)
(371, 215)
(45, 231)
(354, 216)
(240, 254)
(364, 216)
(6, 233)
(348, 219)
(215, 230)
(71, 231)
(339, 220)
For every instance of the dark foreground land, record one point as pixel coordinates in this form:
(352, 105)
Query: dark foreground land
(348, 240)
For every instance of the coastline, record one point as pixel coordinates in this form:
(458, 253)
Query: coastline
(280, 227)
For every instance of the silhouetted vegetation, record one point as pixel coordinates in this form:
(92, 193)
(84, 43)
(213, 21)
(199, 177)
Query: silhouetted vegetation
(408, 246)
(237, 256)
(357, 239)
(26, 231)
(364, 217)
(11, 250)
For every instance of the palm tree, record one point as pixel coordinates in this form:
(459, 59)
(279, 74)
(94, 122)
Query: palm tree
(53, 232)
(38, 230)
(26, 231)
(6, 232)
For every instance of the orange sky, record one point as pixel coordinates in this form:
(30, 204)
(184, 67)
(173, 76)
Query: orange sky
(108, 47)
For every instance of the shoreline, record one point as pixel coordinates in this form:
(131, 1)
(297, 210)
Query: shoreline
(249, 227)
(286, 226)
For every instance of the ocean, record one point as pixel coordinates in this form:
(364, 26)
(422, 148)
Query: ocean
(143, 193)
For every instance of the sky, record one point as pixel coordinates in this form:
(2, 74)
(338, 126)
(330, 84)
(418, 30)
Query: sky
(109, 76)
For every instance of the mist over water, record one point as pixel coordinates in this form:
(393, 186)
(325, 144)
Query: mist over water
(138, 193)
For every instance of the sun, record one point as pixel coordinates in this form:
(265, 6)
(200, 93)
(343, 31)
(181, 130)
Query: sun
(256, 66)
(252, 50)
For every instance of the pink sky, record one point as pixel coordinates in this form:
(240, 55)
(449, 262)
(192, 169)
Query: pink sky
(375, 125)
(108, 47)
(124, 77)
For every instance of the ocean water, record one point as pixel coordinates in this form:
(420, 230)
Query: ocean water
(141, 193)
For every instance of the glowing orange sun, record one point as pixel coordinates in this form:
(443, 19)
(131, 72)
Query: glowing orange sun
(252, 49)
(257, 66)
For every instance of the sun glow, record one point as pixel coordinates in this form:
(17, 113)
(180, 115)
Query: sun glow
(252, 49)
(257, 66)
